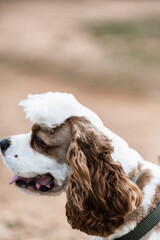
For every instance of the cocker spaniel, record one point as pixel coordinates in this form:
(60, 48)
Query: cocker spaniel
(109, 187)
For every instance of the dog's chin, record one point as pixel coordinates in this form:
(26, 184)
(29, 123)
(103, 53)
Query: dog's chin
(56, 192)
(40, 185)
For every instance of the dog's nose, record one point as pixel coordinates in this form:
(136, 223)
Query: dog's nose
(4, 144)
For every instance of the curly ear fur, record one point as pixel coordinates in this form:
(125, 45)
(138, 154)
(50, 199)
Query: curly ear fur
(99, 194)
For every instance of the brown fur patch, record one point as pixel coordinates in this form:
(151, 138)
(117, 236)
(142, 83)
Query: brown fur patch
(156, 199)
(52, 142)
(135, 173)
(142, 181)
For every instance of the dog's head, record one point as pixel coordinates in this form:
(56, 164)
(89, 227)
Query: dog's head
(68, 150)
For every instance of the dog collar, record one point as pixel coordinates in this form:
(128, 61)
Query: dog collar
(144, 226)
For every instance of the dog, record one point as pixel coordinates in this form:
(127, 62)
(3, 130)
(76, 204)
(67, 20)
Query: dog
(110, 189)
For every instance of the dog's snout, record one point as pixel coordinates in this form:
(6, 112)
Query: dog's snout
(4, 144)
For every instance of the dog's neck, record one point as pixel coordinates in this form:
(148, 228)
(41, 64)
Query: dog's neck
(130, 159)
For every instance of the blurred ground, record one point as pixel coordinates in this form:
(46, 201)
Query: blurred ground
(88, 48)
(108, 43)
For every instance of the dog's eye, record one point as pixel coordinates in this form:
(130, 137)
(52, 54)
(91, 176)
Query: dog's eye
(39, 142)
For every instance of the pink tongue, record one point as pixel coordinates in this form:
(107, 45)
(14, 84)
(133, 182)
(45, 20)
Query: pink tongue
(15, 178)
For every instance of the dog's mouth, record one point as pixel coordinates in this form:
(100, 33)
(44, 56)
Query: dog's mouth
(42, 183)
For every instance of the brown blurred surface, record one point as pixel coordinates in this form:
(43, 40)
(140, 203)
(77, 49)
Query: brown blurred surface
(135, 116)
(69, 38)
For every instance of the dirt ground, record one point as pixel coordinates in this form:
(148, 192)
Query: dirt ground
(135, 118)
(57, 36)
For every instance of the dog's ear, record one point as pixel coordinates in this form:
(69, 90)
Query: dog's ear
(99, 194)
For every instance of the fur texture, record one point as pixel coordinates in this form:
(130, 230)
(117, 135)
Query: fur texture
(99, 193)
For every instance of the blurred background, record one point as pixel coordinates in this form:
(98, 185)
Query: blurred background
(107, 53)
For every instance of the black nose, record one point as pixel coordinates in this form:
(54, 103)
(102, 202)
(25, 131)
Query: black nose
(4, 144)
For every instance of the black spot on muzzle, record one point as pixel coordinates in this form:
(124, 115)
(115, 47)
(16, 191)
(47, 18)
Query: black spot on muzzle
(4, 145)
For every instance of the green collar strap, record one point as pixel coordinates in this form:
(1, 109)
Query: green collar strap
(144, 226)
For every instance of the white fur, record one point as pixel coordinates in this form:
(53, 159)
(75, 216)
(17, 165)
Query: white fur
(52, 109)
(30, 163)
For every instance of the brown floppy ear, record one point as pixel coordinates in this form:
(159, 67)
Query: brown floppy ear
(99, 194)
